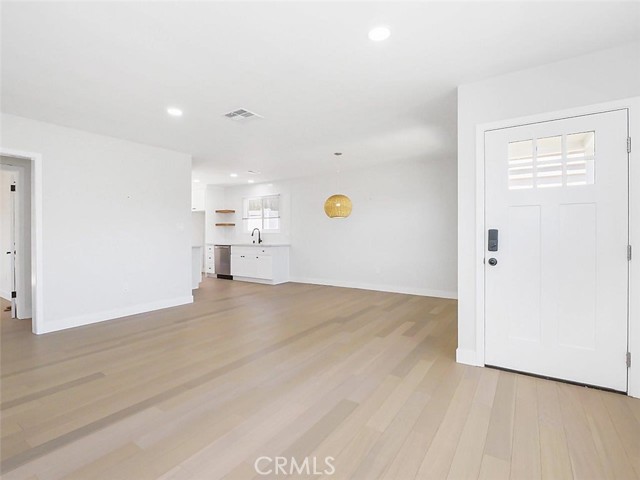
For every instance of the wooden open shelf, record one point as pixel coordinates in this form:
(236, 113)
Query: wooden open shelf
(225, 224)
(225, 211)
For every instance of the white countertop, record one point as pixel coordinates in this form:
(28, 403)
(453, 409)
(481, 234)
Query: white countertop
(261, 245)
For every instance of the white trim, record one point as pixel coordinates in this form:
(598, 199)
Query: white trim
(468, 357)
(23, 278)
(479, 249)
(258, 280)
(37, 321)
(424, 292)
(113, 314)
(633, 105)
(633, 379)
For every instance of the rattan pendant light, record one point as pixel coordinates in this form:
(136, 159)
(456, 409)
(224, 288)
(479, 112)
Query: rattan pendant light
(338, 205)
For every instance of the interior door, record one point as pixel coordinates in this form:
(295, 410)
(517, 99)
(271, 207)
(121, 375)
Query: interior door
(556, 266)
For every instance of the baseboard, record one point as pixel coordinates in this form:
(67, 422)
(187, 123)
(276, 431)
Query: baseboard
(257, 280)
(112, 314)
(424, 292)
(468, 357)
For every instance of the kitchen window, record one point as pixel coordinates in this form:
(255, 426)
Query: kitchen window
(262, 213)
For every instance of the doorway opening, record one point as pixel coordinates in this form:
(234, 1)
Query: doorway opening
(16, 267)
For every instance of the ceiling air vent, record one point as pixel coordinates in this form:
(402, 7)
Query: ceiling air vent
(241, 114)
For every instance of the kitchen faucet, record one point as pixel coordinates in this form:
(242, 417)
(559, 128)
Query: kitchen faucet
(259, 238)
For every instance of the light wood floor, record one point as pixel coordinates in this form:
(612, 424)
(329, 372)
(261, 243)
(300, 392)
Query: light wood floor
(369, 378)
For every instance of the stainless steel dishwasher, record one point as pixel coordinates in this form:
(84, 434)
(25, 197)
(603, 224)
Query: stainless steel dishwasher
(222, 258)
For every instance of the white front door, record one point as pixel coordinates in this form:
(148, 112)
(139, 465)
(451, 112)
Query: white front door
(556, 283)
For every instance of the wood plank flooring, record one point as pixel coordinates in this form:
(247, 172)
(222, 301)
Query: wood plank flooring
(369, 378)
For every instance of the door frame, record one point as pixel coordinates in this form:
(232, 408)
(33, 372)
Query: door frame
(37, 318)
(633, 318)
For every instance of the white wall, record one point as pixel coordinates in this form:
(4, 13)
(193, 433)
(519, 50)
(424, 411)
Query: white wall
(401, 235)
(116, 223)
(590, 79)
(197, 228)
(214, 200)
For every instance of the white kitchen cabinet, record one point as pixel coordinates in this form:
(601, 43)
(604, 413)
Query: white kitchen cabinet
(261, 264)
(264, 266)
(241, 266)
(209, 262)
(198, 198)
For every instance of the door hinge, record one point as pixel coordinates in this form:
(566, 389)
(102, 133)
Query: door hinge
(628, 144)
(13, 294)
(13, 188)
(629, 252)
(628, 359)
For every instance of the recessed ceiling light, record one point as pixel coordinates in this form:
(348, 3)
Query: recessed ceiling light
(174, 112)
(251, 181)
(196, 181)
(379, 34)
(234, 175)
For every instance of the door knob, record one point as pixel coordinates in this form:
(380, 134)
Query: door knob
(493, 262)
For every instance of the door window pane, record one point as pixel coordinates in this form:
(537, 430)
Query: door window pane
(521, 164)
(581, 158)
(561, 160)
(548, 170)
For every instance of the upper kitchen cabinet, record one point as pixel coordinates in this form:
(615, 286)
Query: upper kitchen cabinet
(198, 198)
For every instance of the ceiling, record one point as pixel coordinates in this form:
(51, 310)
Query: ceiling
(307, 68)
